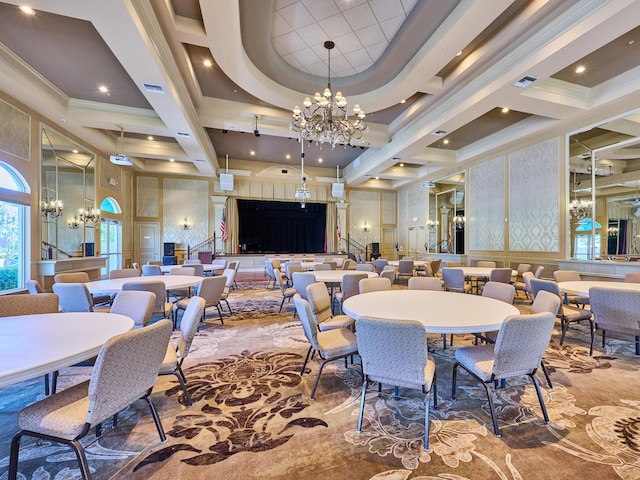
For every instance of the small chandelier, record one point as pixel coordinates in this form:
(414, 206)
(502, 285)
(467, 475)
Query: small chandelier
(578, 207)
(52, 208)
(302, 192)
(326, 119)
(432, 225)
(185, 225)
(74, 223)
(458, 222)
(89, 215)
(613, 231)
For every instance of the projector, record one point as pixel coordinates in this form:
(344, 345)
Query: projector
(428, 184)
(120, 159)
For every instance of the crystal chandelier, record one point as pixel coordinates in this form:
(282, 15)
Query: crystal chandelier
(458, 222)
(326, 119)
(52, 208)
(302, 192)
(432, 225)
(578, 207)
(74, 223)
(89, 215)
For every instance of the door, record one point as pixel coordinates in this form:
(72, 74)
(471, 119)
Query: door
(147, 242)
(111, 243)
(388, 249)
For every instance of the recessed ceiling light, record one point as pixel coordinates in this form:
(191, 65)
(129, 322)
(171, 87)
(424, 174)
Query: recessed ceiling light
(319, 160)
(403, 101)
(402, 164)
(252, 152)
(446, 141)
(74, 150)
(208, 63)
(377, 178)
(631, 42)
(149, 137)
(505, 110)
(103, 89)
(172, 159)
(580, 69)
(459, 53)
(28, 10)
(288, 156)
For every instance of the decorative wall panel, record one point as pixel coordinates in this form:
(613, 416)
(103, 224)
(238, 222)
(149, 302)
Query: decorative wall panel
(127, 243)
(15, 131)
(534, 211)
(110, 176)
(364, 206)
(389, 208)
(402, 218)
(416, 204)
(185, 198)
(485, 216)
(148, 197)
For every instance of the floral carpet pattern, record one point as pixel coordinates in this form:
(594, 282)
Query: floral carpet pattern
(252, 417)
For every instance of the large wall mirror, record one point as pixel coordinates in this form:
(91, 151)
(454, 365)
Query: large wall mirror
(67, 197)
(604, 166)
(447, 222)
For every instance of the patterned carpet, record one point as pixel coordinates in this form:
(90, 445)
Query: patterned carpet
(252, 417)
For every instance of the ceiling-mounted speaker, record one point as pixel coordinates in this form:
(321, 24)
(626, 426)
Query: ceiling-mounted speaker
(226, 181)
(337, 190)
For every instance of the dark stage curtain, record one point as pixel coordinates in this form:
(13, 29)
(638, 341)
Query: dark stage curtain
(281, 227)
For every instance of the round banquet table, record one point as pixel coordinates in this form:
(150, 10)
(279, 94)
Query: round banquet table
(206, 267)
(171, 282)
(582, 287)
(439, 312)
(416, 263)
(481, 271)
(34, 345)
(335, 276)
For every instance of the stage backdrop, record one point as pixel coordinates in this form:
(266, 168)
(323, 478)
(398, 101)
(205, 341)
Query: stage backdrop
(281, 227)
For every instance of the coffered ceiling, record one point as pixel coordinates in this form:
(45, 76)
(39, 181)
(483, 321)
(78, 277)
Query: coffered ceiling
(416, 67)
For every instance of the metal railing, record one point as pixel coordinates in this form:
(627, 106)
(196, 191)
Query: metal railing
(47, 250)
(354, 247)
(207, 246)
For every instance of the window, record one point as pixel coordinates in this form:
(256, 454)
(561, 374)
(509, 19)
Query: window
(14, 251)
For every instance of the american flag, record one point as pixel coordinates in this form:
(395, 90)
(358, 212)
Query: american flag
(223, 228)
(338, 232)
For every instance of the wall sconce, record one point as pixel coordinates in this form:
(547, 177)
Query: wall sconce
(432, 225)
(89, 215)
(74, 223)
(52, 208)
(185, 225)
(458, 222)
(365, 228)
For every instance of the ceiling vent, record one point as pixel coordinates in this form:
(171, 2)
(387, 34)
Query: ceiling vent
(428, 184)
(525, 81)
(439, 133)
(183, 134)
(150, 87)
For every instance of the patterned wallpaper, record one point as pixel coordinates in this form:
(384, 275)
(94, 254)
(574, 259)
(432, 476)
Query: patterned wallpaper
(110, 176)
(402, 218)
(148, 197)
(128, 209)
(185, 198)
(533, 198)
(416, 204)
(14, 134)
(486, 213)
(389, 208)
(364, 206)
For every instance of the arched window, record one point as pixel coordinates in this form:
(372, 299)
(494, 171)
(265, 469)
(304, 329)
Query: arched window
(14, 251)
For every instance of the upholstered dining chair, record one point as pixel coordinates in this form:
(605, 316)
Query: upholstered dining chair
(518, 350)
(272, 276)
(332, 265)
(136, 305)
(321, 267)
(379, 264)
(453, 279)
(126, 370)
(161, 308)
(505, 292)
(291, 268)
(180, 293)
(348, 264)
(571, 276)
(124, 273)
(524, 285)
(435, 266)
(567, 314)
(452, 264)
(197, 268)
(374, 284)
(175, 355)
(300, 282)
(287, 292)
(330, 344)
(349, 286)
(210, 290)
(33, 286)
(388, 272)
(394, 352)
(30, 304)
(632, 277)
(425, 283)
(486, 264)
(192, 261)
(135, 265)
(320, 303)
(151, 270)
(405, 269)
(81, 277)
(155, 262)
(230, 276)
(365, 267)
(615, 311)
(545, 302)
(74, 297)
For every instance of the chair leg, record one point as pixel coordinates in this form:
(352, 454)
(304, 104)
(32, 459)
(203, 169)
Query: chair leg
(396, 392)
(82, 459)
(183, 385)
(220, 314)
(13, 457)
(453, 382)
(362, 397)
(564, 325)
(315, 384)
(281, 304)
(426, 422)
(306, 360)
(156, 420)
(546, 373)
(46, 384)
(492, 407)
(228, 306)
(542, 406)
(54, 381)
